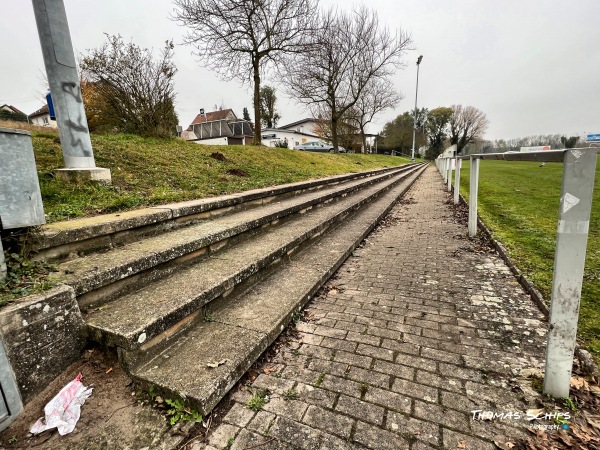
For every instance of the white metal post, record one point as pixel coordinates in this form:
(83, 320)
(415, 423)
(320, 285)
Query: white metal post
(458, 163)
(449, 175)
(474, 186)
(445, 170)
(579, 169)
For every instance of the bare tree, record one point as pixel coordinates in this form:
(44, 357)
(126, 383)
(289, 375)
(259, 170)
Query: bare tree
(240, 38)
(379, 94)
(130, 90)
(268, 111)
(466, 125)
(351, 50)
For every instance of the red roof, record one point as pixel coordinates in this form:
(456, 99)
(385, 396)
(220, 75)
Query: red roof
(213, 115)
(12, 108)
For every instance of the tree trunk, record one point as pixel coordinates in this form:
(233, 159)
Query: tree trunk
(334, 132)
(363, 139)
(257, 124)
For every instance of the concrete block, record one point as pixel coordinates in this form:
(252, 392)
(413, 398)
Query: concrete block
(99, 174)
(43, 335)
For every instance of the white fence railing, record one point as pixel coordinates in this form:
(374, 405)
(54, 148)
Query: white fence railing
(579, 170)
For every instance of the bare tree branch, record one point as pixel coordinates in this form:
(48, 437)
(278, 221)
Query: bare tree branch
(240, 38)
(379, 94)
(351, 50)
(128, 90)
(466, 125)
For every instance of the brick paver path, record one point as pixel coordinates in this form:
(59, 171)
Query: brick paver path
(417, 330)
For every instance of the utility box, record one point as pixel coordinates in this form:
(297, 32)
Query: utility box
(20, 197)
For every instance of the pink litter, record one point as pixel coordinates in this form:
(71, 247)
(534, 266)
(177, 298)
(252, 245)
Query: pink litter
(63, 411)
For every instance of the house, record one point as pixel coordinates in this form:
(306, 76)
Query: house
(348, 134)
(219, 128)
(295, 133)
(308, 126)
(275, 137)
(9, 112)
(42, 118)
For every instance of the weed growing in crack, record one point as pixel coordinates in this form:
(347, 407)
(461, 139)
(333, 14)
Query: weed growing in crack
(320, 379)
(290, 394)
(258, 400)
(181, 411)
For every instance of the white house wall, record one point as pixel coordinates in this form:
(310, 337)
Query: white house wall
(213, 141)
(292, 138)
(44, 121)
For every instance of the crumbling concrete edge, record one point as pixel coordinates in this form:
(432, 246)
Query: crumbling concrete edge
(584, 356)
(43, 334)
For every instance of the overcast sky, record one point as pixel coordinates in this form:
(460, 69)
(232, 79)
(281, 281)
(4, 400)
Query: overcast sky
(533, 66)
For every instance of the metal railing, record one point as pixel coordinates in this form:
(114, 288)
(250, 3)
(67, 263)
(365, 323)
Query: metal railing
(579, 170)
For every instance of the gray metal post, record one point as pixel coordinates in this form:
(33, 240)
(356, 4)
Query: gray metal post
(474, 186)
(53, 29)
(458, 163)
(573, 223)
(449, 176)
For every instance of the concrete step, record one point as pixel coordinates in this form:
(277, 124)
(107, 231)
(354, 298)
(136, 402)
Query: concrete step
(143, 318)
(64, 240)
(101, 277)
(242, 326)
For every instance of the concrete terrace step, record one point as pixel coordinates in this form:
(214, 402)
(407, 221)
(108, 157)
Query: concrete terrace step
(133, 320)
(244, 325)
(62, 239)
(154, 257)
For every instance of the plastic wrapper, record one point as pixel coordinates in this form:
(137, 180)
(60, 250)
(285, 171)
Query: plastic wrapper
(63, 411)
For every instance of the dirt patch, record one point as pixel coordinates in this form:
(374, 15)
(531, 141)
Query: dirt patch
(238, 173)
(218, 156)
(112, 417)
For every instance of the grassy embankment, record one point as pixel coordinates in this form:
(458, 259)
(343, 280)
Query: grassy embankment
(519, 202)
(153, 171)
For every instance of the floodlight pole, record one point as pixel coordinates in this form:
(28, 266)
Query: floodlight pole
(412, 153)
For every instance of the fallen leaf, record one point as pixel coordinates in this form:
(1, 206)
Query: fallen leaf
(579, 383)
(593, 421)
(270, 369)
(217, 364)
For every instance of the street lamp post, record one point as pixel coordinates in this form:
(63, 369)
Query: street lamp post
(412, 153)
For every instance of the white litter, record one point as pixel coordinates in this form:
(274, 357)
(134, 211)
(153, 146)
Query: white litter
(63, 411)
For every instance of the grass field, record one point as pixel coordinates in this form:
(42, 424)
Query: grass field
(153, 171)
(519, 202)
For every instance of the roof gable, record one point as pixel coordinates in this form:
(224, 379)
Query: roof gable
(223, 114)
(12, 109)
(40, 112)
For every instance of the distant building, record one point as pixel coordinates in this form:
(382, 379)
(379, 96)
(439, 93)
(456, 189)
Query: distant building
(308, 126)
(219, 128)
(42, 118)
(276, 137)
(9, 112)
